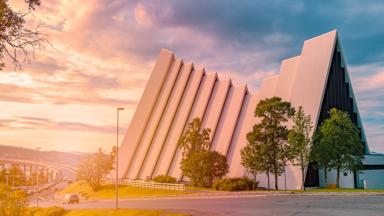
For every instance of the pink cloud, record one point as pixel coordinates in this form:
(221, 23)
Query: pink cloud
(57, 95)
(34, 123)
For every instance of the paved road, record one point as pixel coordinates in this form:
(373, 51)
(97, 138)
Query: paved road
(259, 205)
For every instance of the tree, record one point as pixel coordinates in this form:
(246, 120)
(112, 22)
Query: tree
(337, 145)
(272, 134)
(204, 167)
(16, 40)
(195, 139)
(343, 136)
(299, 140)
(16, 177)
(199, 164)
(42, 176)
(253, 159)
(321, 155)
(94, 168)
(3, 176)
(12, 203)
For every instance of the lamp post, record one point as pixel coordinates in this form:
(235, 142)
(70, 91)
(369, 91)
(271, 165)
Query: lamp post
(37, 178)
(117, 160)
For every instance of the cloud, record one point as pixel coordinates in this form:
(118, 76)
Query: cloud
(134, 31)
(368, 82)
(57, 95)
(34, 123)
(103, 51)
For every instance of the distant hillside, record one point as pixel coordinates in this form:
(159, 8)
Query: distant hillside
(66, 158)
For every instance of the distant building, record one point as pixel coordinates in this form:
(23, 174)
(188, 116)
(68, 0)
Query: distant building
(176, 92)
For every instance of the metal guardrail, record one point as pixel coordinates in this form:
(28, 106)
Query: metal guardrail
(148, 184)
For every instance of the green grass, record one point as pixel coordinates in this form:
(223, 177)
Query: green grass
(192, 188)
(121, 212)
(50, 211)
(328, 190)
(317, 190)
(108, 191)
(57, 211)
(338, 190)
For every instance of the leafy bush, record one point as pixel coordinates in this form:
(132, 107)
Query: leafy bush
(204, 167)
(164, 179)
(50, 211)
(93, 168)
(234, 184)
(12, 202)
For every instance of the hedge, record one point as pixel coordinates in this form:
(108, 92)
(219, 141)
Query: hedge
(164, 179)
(234, 184)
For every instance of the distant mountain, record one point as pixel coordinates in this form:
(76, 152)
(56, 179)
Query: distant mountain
(65, 158)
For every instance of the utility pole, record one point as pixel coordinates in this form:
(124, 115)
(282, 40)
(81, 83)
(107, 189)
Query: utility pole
(117, 160)
(37, 177)
(285, 179)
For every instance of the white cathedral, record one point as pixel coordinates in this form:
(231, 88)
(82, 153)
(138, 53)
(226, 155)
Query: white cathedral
(177, 92)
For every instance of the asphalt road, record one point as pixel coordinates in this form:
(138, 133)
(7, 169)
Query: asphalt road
(259, 205)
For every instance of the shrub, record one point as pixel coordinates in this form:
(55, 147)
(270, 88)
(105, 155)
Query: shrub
(204, 167)
(12, 202)
(165, 179)
(94, 167)
(234, 184)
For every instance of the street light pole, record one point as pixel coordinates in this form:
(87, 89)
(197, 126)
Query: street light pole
(37, 178)
(117, 160)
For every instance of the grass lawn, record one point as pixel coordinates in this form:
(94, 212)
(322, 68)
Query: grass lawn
(192, 188)
(316, 190)
(57, 211)
(328, 190)
(120, 212)
(108, 191)
(338, 190)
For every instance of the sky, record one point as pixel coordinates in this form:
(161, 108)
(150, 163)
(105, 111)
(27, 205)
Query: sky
(101, 54)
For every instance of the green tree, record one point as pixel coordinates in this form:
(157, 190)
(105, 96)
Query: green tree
(299, 140)
(94, 168)
(43, 177)
(195, 138)
(204, 167)
(272, 134)
(253, 159)
(321, 155)
(347, 147)
(16, 177)
(12, 203)
(337, 145)
(16, 39)
(3, 176)
(199, 164)
(257, 140)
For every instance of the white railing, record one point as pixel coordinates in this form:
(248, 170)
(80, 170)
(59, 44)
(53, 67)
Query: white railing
(148, 184)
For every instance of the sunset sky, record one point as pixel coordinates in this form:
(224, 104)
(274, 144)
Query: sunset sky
(103, 51)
